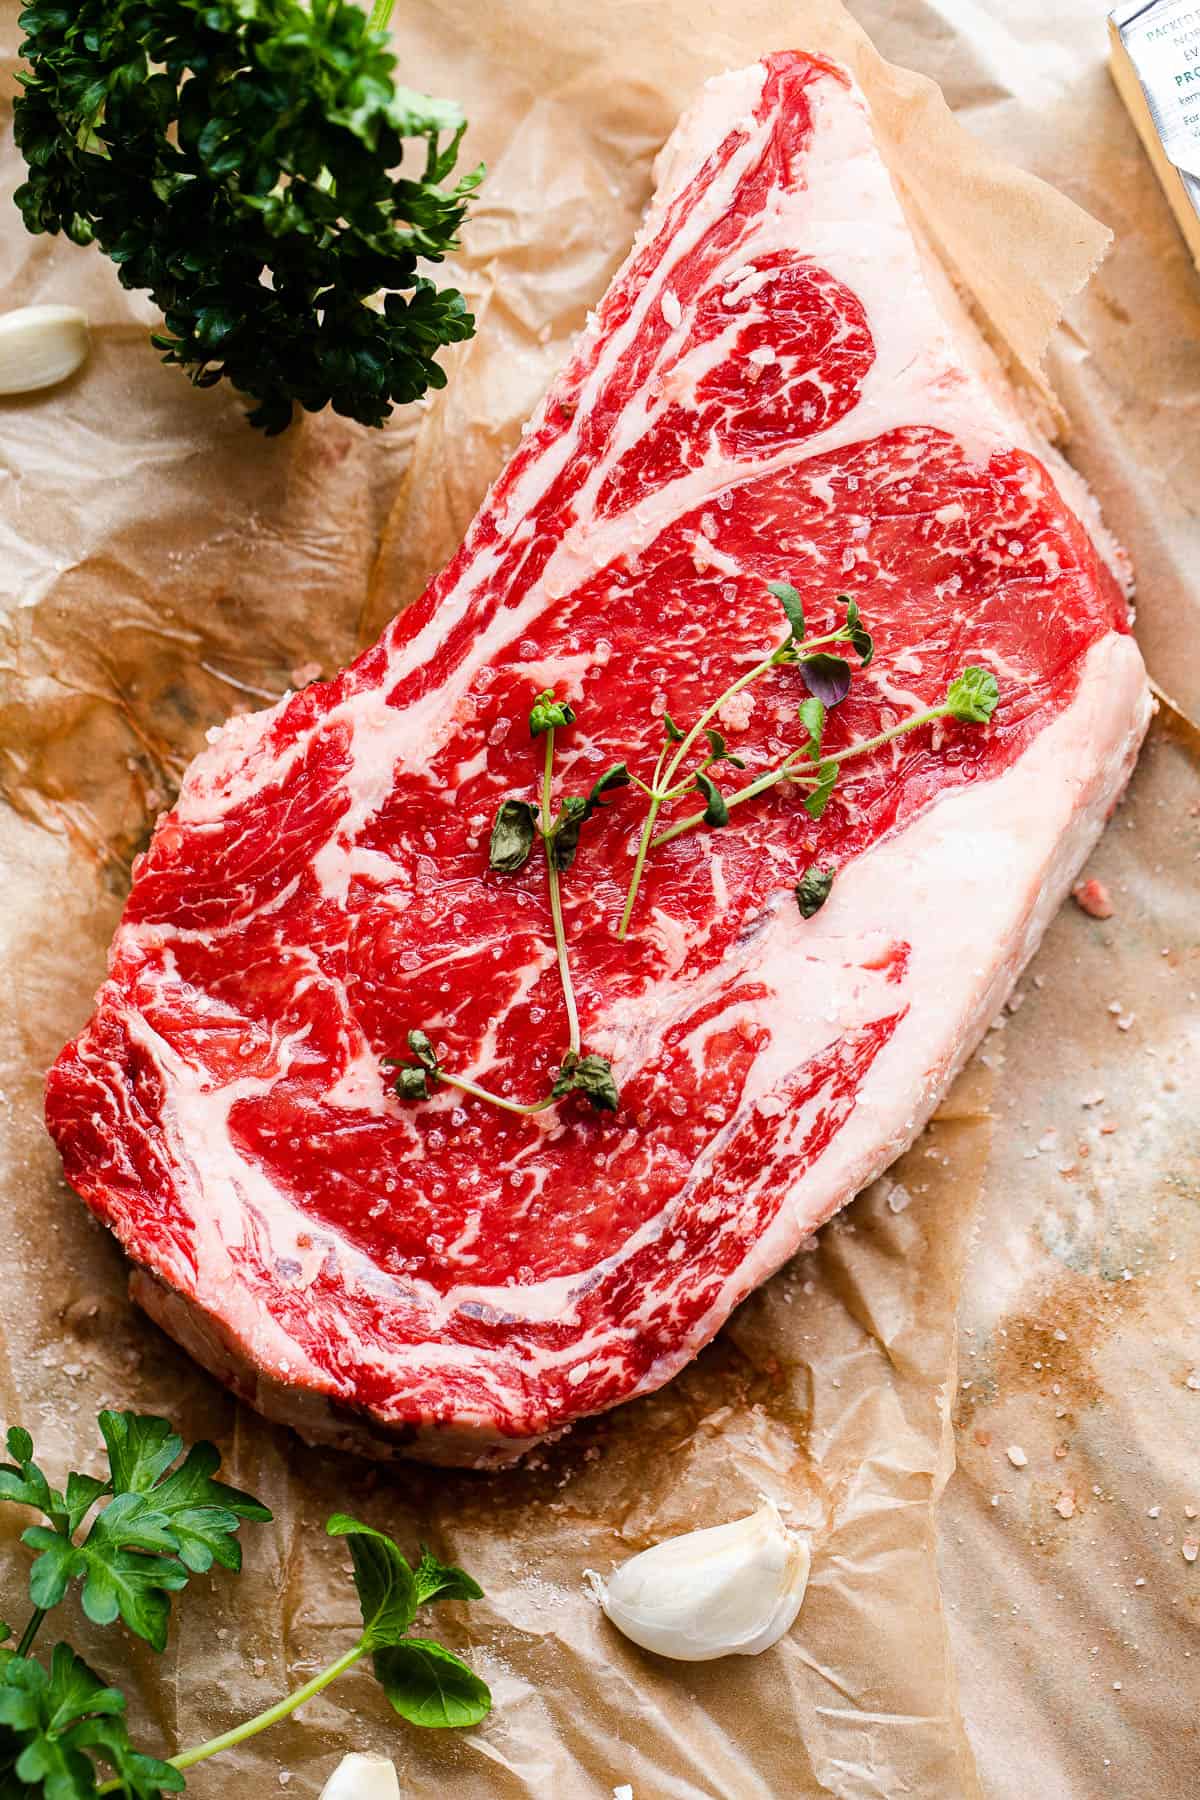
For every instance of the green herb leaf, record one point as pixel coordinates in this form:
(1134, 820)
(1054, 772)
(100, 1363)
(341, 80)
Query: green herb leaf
(387, 1588)
(548, 714)
(827, 678)
(716, 812)
(126, 1562)
(82, 1493)
(615, 777)
(512, 836)
(161, 1524)
(53, 1719)
(443, 1581)
(241, 160)
(857, 632)
(973, 696)
(812, 890)
(23, 1482)
(674, 735)
(590, 1076)
(818, 800)
(792, 605)
(423, 1050)
(411, 1082)
(718, 751)
(141, 1777)
(812, 717)
(563, 840)
(430, 1686)
(413, 1078)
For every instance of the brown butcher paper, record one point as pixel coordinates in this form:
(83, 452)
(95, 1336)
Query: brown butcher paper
(164, 566)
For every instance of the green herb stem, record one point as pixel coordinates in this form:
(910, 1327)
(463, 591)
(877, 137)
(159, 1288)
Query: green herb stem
(787, 770)
(482, 1093)
(635, 880)
(662, 788)
(381, 12)
(556, 912)
(249, 1728)
(31, 1630)
(733, 689)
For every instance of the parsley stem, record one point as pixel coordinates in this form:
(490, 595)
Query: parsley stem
(556, 913)
(31, 1630)
(282, 1709)
(381, 12)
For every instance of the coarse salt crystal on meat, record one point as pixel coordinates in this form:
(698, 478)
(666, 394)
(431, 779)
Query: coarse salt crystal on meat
(780, 375)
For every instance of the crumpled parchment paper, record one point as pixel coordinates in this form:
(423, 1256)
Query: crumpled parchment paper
(164, 566)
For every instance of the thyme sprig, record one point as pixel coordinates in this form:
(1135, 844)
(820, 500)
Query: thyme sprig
(971, 698)
(827, 678)
(518, 825)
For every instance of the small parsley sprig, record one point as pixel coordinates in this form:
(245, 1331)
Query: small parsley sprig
(827, 678)
(518, 826)
(165, 1518)
(240, 160)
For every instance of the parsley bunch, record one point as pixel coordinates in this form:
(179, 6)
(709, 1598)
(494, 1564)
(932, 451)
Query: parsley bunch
(165, 1519)
(237, 159)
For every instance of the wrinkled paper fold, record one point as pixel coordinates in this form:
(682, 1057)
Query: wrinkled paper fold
(164, 566)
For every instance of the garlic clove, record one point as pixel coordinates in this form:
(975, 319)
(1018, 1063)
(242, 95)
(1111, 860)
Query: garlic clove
(359, 1777)
(40, 345)
(730, 1590)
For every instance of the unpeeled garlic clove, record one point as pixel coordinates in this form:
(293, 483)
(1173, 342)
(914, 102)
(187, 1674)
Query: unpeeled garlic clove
(731, 1590)
(359, 1777)
(40, 345)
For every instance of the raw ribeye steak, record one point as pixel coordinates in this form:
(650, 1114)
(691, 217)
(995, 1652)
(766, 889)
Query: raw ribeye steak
(778, 386)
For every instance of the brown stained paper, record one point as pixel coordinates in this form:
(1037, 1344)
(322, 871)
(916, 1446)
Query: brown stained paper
(162, 566)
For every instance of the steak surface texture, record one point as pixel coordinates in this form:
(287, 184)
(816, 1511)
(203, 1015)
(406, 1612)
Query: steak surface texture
(779, 385)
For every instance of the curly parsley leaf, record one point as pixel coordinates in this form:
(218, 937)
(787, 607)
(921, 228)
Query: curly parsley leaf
(428, 1685)
(813, 890)
(242, 161)
(590, 1076)
(512, 836)
(973, 696)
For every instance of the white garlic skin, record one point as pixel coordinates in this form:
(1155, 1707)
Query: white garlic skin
(39, 346)
(731, 1590)
(359, 1777)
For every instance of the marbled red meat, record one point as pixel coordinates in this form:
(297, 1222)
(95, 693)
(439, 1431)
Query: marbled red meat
(778, 385)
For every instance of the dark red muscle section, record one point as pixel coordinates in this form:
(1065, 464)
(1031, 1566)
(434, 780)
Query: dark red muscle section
(316, 894)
